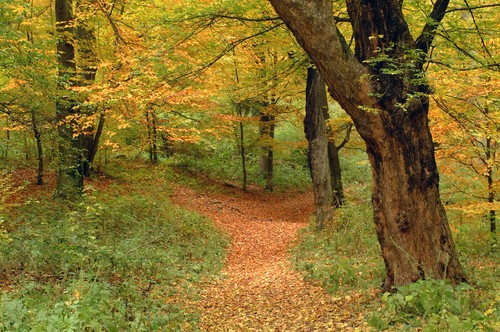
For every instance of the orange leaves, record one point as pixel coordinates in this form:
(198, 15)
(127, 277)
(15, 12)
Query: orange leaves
(260, 290)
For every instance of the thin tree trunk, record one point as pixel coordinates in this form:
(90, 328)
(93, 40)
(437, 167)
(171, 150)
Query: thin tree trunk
(491, 191)
(154, 137)
(241, 135)
(243, 155)
(150, 137)
(93, 147)
(315, 130)
(335, 174)
(27, 156)
(167, 145)
(7, 143)
(39, 148)
(34, 124)
(266, 163)
(334, 161)
(86, 74)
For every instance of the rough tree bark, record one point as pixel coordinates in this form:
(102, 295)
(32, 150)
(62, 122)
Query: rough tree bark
(315, 130)
(390, 111)
(70, 174)
(86, 67)
(334, 161)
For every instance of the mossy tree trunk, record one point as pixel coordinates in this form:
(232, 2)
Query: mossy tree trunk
(70, 174)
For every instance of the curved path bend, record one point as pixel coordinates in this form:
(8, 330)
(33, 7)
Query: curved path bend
(259, 290)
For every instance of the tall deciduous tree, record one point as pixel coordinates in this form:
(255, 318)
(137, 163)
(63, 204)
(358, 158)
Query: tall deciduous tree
(324, 161)
(70, 174)
(315, 130)
(381, 88)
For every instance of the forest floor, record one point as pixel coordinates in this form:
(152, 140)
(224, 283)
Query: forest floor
(258, 289)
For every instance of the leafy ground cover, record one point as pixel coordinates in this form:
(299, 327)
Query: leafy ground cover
(115, 261)
(130, 256)
(259, 288)
(345, 258)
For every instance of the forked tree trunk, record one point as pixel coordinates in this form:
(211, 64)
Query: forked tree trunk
(390, 112)
(334, 161)
(315, 130)
(87, 63)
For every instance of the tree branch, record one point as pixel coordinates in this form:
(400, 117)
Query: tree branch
(346, 137)
(228, 49)
(118, 36)
(483, 43)
(469, 8)
(425, 39)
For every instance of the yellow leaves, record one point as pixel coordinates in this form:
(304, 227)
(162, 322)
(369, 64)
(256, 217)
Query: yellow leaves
(12, 85)
(475, 208)
(15, 8)
(113, 146)
(124, 125)
(260, 290)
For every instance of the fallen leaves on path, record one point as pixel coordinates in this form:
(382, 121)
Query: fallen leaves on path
(259, 290)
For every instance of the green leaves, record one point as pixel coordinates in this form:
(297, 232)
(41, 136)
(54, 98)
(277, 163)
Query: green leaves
(435, 304)
(109, 263)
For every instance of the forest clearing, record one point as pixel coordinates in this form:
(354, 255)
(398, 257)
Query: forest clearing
(269, 165)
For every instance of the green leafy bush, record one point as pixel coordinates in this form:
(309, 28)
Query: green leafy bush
(433, 305)
(112, 262)
(344, 255)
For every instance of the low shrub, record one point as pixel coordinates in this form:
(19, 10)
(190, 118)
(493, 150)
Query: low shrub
(116, 261)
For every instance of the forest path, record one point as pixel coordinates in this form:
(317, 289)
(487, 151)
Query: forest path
(259, 290)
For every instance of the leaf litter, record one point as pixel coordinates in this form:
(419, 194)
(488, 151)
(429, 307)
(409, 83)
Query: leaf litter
(258, 289)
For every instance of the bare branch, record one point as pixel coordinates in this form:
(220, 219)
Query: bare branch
(228, 49)
(483, 43)
(346, 137)
(469, 8)
(118, 36)
(425, 39)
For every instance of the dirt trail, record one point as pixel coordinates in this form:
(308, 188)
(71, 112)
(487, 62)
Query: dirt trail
(259, 290)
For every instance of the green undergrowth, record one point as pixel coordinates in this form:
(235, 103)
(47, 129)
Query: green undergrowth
(344, 255)
(122, 259)
(436, 305)
(222, 162)
(344, 258)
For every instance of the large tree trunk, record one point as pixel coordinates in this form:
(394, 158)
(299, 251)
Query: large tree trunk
(315, 130)
(70, 174)
(390, 111)
(86, 66)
